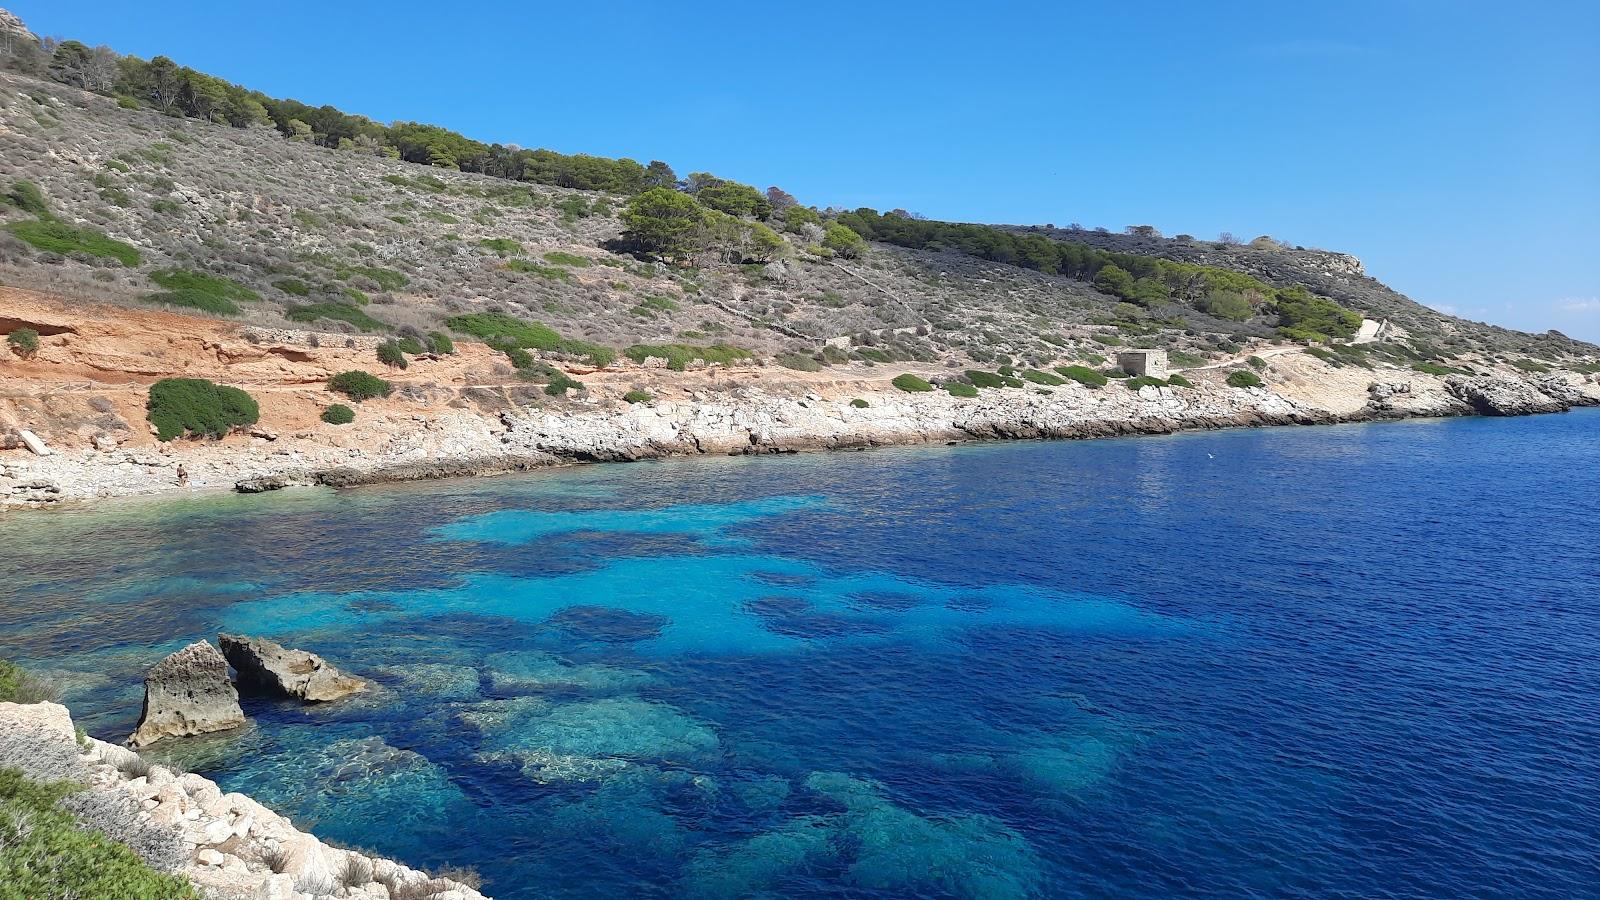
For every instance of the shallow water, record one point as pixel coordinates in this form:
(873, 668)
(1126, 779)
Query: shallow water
(1351, 661)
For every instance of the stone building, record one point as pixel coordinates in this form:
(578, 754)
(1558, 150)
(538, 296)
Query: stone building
(1144, 362)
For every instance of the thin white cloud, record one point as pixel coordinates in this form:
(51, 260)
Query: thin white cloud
(1581, 304)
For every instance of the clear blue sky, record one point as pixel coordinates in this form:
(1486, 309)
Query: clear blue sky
(1453, 146)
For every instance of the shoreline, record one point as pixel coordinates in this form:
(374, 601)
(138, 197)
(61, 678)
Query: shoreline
(747, 421)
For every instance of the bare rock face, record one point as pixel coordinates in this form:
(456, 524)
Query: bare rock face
(1491, 396)
(270, 667)
(12, 29)
(187, 693)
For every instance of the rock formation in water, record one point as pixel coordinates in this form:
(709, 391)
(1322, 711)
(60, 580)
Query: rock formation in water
(1491, 396)
(271, 668)
(185, 694)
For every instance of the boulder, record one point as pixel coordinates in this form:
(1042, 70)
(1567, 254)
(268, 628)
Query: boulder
(185, 694)
(269, 667)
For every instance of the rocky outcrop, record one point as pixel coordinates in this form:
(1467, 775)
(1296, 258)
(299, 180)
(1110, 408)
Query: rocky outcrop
(185, 694)
(1558, 387)
(227, 845)
(1492, 396)
(271, 668)
(12, 32)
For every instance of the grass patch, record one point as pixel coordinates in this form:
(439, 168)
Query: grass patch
(1110, 340)
(1038, 377)
(800, 362)
(1528, 365)
(983, 379)
(502, 246)
(1243, 379)
(1428, 368)
(338, 312)
(1180, 381)
(20, 686)
(179, 406)
(190, 298)
(961, 389)
(293, 286)
(649, 306)
(530, 267)
(387, 279)
(911, 384)
(59, 237)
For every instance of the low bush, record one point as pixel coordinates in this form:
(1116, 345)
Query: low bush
(59, 237)
(500, 330)
(529, 267)
(24, 342)
(961, 389)
(637, 397)
(25, 195)
(649, 306)
(179, 406)
(679, 356)
(1038, 377)
(293, 286)
(911, 384)
(359, 385)
(49, 853)
(409, 344)
(1428, 368)
(1528, 365)
(1180, 381)
(561, 258)
(338, 414)
(859, 403)
(390, 353)
(560, 383)
(1083, 375)
(388, 279)
(1110, 340)
(338, 312)
(190, 298)
(214, 285)
(1133, 384)
(800, 362)
(1257, 363)
(440, 343)
(1185, 359)
(502, 246)
(1243, 379)
(991, 379)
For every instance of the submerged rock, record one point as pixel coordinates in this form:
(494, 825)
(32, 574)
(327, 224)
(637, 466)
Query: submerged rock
(187, 693)
(267, 666)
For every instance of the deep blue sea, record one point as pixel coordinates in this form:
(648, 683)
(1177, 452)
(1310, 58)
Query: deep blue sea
(1355, 661)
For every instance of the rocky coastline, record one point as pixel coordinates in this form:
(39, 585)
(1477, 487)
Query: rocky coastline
(753, 419)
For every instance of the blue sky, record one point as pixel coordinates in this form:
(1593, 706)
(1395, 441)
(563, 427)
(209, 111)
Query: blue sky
(1453, 146)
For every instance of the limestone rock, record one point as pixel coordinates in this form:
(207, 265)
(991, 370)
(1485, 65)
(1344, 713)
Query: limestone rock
(267, 666)
(187, 693)
(1492, 396)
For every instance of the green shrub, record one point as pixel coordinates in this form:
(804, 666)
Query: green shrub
(127, 102)
(20, 686)
(1528, 365)
(25, 195)
(1243, 379)
(359, 385)
(649, 306)
(199, 407)
(561, 258)
(440, 343)
(502, 246)
(340, 312)
(1257, 363)
(1185, 359)
(961, 389)
(48, 853)
(338, 414)
(388, 279)
(1038, 377)
(1083, 375)
(1133, 384)
(499, 329)
(409, 345)
(293, 286)
(24, 342)
(391, 354)
(1180, 381)
(799, 362)
(859, 403)
(1428, 368)
(521, 359)
(991, 379)
(637, 397)
(911, 384)
(1110, 340)
(59, 237)
(678, 356)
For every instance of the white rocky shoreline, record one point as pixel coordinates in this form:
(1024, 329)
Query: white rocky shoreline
(225, 844)
(457, 442)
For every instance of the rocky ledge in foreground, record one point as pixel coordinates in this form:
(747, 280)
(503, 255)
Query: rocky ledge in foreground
(269, 667)
(227, 845)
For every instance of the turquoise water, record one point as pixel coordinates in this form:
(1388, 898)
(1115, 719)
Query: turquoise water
(1351, 661)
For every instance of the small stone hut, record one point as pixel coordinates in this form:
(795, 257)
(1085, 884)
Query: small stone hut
(1144, 362)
